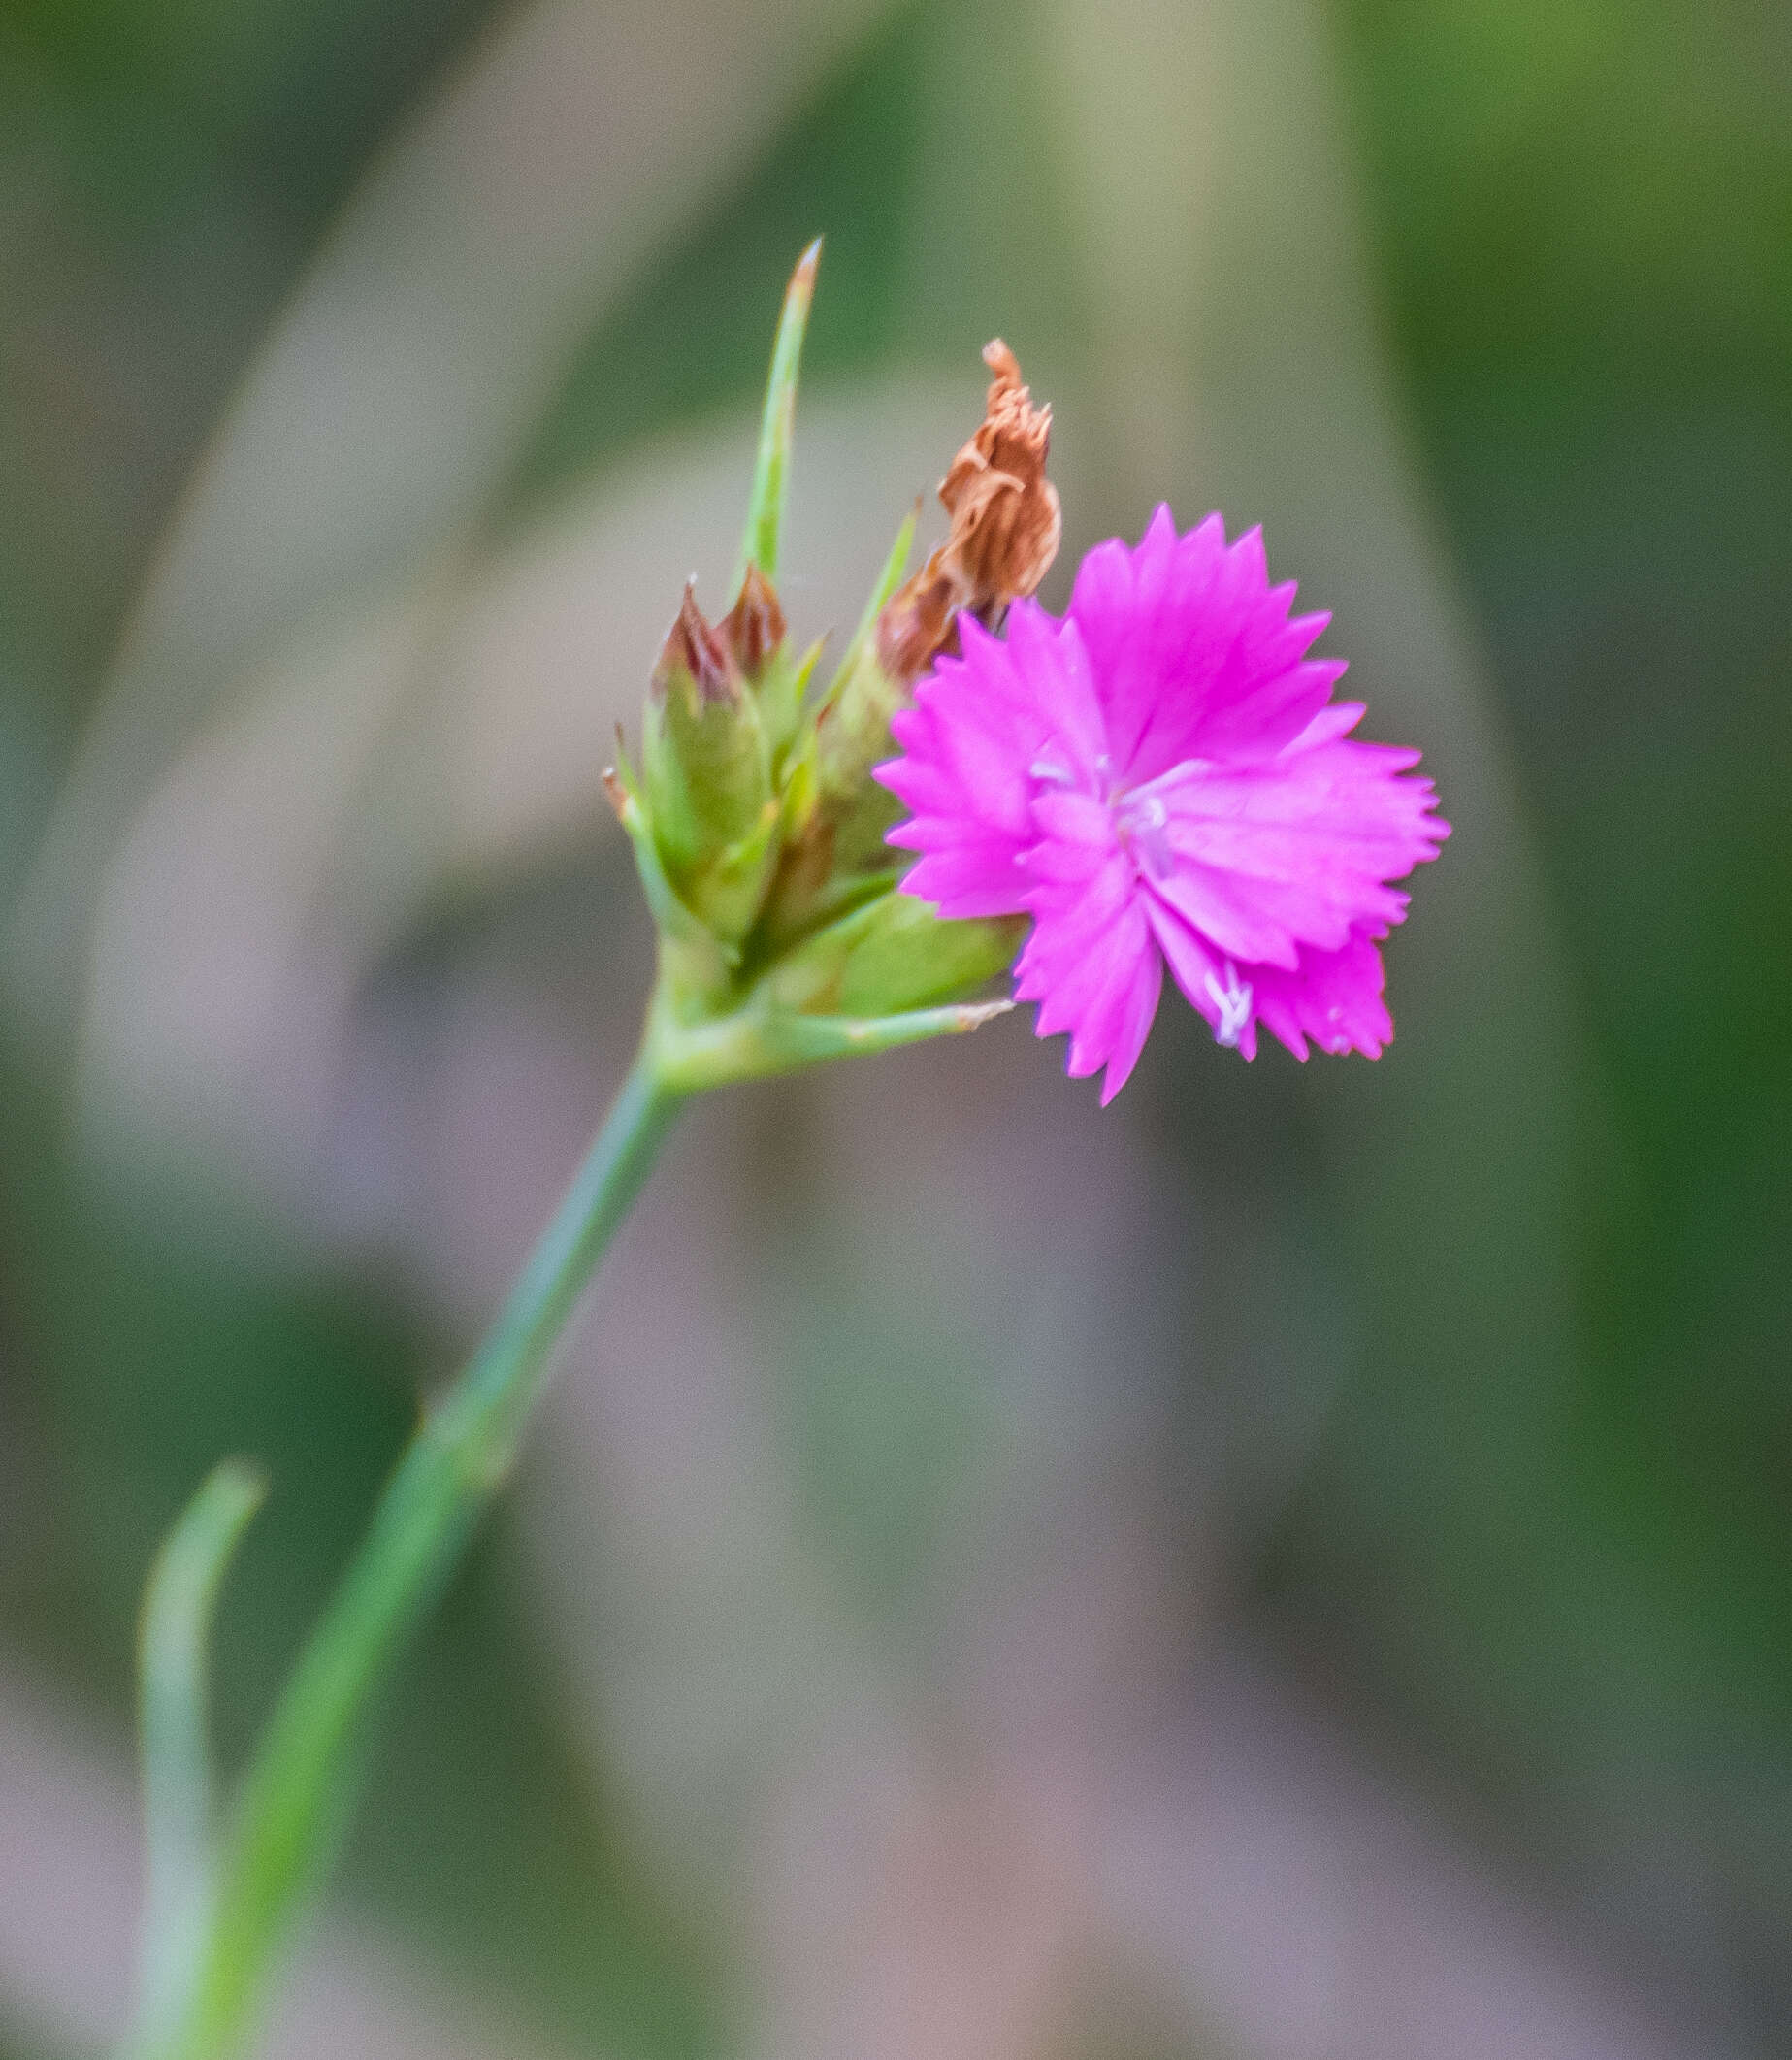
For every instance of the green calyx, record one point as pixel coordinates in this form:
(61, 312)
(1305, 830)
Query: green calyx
(706, 764)
(759, 831)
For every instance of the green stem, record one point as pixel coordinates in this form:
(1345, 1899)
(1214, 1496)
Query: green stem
(297, 1793)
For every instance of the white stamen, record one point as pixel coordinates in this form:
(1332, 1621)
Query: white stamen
(1048, 769)
(1233, 1002)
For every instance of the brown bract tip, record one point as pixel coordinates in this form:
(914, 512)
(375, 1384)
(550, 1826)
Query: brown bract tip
(693, 650)
(1006, 523)
(753, 629)
(802, 279)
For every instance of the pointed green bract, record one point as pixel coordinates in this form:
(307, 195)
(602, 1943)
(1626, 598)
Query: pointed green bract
(679, 927)
(756, 1043)
(780, 690)
(891, 953)
(771, 469)
(853, 727)
(888, 580)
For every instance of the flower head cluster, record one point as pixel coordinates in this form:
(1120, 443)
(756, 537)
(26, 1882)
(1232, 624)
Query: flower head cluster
(1163, 778)
(1160, 779)
(757, 826)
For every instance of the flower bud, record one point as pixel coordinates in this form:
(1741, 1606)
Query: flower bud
(753, 629)
(709, 776)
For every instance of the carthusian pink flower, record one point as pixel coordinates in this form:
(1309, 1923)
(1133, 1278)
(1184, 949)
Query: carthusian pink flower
(1162, 778)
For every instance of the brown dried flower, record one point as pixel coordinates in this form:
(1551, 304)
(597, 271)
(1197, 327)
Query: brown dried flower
(1006, 527)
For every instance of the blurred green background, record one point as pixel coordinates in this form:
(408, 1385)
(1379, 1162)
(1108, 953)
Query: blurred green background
(1296, 1566)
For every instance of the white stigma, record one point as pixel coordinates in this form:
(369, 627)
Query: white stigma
(1233, 1002)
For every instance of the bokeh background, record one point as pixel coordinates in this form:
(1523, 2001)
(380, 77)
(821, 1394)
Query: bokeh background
(1292, 1568)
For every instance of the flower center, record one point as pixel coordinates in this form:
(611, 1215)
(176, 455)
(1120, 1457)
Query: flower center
(1141, 821)
(1142, 824)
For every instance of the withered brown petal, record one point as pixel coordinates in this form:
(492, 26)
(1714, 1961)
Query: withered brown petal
(1006, 523)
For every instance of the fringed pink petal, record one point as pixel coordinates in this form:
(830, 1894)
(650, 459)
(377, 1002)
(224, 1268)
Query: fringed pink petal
(1334, 997)
(1163, 778)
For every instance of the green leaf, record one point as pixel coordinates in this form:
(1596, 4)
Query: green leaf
(174, 1640)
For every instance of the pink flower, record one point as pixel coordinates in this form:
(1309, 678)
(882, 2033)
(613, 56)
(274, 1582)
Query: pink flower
(1162, 778)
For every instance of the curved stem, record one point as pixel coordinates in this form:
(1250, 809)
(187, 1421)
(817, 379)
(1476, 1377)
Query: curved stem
(298, 1786)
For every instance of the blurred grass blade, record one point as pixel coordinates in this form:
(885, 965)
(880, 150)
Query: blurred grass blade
(771, 469)
(173, 1638)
